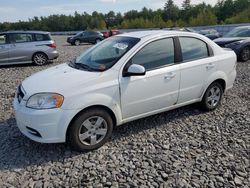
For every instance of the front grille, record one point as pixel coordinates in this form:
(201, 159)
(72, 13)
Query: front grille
(20, 94)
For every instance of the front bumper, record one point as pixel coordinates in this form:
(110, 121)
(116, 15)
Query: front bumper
(236, 48)
(51, 124)
(69, 40)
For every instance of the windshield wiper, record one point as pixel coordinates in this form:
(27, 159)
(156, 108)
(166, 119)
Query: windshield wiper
(84, 66)
(72, 63)
(81, 66)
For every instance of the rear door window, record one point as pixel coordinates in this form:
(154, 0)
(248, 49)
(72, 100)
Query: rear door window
(2, 39)
(193, 48)
(20, 37)
(42, 37)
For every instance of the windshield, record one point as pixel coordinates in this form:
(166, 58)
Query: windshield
(105, 54)
(78, 34)
(191, 30)
(239, 32)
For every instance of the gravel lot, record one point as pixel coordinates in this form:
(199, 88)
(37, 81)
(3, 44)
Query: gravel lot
(181, 148)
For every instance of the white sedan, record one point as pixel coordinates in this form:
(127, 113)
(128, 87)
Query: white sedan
(121, 79)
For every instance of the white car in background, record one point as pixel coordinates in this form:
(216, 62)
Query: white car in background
(121, 79)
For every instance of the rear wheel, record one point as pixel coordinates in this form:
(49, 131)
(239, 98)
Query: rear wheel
(90, 130)
(212, 97)
(40, 59)
(245, 54)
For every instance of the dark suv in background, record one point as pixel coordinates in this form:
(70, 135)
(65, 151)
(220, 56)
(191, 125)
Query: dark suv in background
(86, 37)
(18, 47)
(238, 40)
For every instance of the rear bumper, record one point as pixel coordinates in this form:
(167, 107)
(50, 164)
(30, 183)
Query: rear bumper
(231, 79)
(53, 55)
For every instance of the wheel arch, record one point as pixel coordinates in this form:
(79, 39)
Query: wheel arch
(37, 52)
(107, 109)
(219, 80)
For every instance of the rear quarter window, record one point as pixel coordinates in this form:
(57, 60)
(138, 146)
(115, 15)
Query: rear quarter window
(42, 37)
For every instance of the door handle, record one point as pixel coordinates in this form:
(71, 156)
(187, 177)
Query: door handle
(210, 66)
(12, 45)
(2, 47)
(169, 76)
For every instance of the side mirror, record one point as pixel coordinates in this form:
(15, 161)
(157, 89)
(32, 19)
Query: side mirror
(135, 70)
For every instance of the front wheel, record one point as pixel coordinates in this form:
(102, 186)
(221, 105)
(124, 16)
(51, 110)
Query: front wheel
(77, 42)
(245, 54)
(212, 97)
(90, 130)
(40, 59)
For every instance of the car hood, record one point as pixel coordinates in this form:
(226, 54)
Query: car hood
(227, 40)
(59, 79)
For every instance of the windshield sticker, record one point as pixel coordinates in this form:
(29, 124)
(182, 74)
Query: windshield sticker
(121, 46)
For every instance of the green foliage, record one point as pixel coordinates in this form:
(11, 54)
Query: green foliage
(243, 17)
(171, 11)
(228, 8)
(205, 17)
(225, 11)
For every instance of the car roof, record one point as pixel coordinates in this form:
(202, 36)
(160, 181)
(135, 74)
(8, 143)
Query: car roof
(244, 27)
(153, 33)
(21, 31)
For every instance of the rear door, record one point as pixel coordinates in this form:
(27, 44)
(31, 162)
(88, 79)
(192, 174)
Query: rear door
(21, 47)
(4, 49)
(197, 64)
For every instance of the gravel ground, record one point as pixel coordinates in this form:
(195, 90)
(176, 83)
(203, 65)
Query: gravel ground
(181, 148)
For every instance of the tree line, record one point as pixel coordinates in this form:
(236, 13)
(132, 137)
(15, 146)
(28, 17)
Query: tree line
(224, 12)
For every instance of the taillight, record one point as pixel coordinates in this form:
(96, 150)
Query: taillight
(53, 45)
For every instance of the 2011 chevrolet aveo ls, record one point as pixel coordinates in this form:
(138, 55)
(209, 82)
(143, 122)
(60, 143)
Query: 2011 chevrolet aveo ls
(123, 78)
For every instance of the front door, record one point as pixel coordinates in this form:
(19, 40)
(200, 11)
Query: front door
(156, 90)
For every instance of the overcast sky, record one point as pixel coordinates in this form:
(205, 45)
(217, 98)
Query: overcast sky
(14, 10)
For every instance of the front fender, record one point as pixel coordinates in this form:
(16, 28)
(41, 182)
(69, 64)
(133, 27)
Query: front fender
(97, 99)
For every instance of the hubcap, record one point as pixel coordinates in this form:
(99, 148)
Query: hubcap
(93, 130)
(245, 54)
(40, 59)
(214, 96)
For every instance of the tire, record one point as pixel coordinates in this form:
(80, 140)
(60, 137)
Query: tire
(40, 59)
(90, 130)
(245, 54)
(97, 41)
(212, 97)
(77, 42)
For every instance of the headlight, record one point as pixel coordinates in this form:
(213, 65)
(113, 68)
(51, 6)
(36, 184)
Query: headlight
(45, 101)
